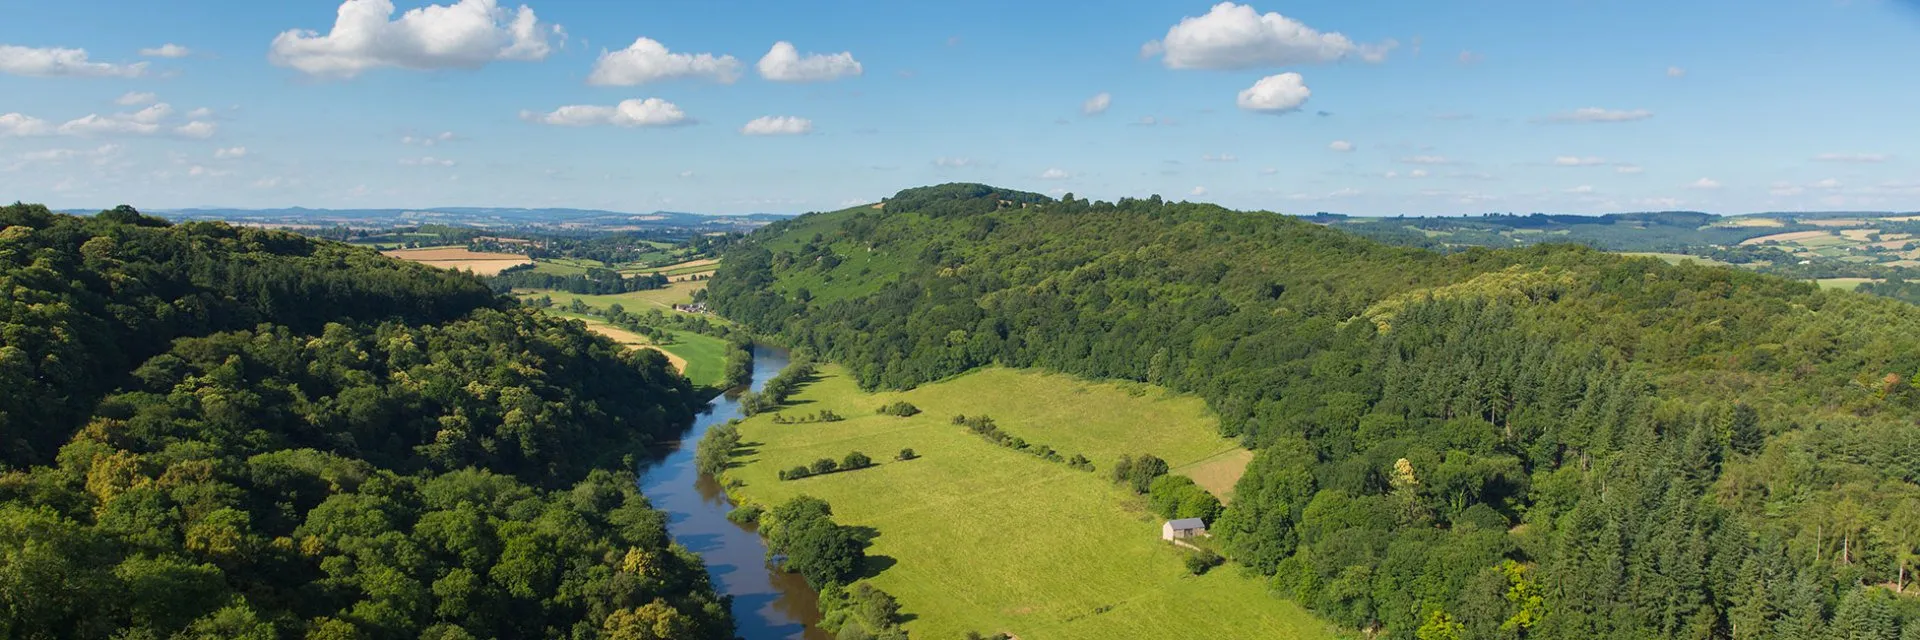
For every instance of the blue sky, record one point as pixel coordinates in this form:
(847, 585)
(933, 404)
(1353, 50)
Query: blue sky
(1415, 107)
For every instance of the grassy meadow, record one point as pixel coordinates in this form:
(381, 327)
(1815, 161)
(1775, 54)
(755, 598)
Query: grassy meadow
(976, 537)
(633, 301)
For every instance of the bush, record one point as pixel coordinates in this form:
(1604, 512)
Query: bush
(750, 513)
(906, 454)
(856, 460)
(796, 473)
(1200, 562)
(902, 409)
(824, 466)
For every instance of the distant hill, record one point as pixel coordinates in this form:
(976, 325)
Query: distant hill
(478, 217)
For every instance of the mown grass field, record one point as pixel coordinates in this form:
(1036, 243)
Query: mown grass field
(976, 537)
(701, 358)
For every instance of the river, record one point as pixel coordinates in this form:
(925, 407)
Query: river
(767, 604)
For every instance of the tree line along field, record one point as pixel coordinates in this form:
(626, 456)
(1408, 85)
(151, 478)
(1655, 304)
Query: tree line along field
(977, 537)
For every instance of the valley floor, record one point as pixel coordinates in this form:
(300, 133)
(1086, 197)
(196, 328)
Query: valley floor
(976, 537)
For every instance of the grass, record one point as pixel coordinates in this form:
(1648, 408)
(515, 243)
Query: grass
(632, 301)
(973, 536)
(705, 357)
(1844, 284)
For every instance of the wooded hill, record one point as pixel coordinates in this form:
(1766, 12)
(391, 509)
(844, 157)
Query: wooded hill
(1549, 442)
(220, 432)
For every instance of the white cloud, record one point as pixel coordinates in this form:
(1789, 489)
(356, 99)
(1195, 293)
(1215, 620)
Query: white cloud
(952, 163)
(1055, 174)
(1676, 72)
(427, 141)
(651, 112)
(427, 161)
(686, 174)
(199, 113)
(20, 125)
(55, 61)
(153, 114)
(783, 63)
(1628, 168)
(1224, 157)
(196, 129)
(1426, 160)
(647, 60)
(1267, 171)
(1198, 191)
(1783, 190)
(1662, 203)
(1578, 161)
(1581, 190)
(1275, 94)
(1853, 157)
(1417, 173)
(465, 35)
(198, 171)
(1828, 184)
(1340, 146)
(94, 124)
(1704, 183)
(1233, 36)
(230, 153)
(777, 126)
(168, 50)
(1597, 114)
(1146, 121)
(1097, 105)
(273, 183)
(132, 98)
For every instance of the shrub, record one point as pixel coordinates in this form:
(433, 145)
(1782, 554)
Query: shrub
(906, 454)
(902, 409)
(796, 473)
(1198, 563)
(749, 513)
(856, 460)
(825, 465)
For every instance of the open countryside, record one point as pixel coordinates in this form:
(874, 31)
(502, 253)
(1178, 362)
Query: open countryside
(461, 259)
(980, 537)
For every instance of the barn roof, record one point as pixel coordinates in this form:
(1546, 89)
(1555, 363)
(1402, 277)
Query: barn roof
(1188, 523)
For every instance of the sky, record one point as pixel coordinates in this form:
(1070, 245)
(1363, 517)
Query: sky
(1383, 107)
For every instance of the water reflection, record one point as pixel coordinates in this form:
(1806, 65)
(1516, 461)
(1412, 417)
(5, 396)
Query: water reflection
(767, 604)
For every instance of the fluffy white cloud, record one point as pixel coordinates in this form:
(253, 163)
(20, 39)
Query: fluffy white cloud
(1676, 72)
(427, 141)
(1234, 36)
(777, 126)
(1340, 146)
(647, 60)
(1097, 105)
(465, 35)
(427, 161)
(1417, 173)
(200, 113)
(1852, 157)
(1578, 161)
(1704, 183)
(1224, 157)
(55, 61)
(230, 153)
(1426, 160)
(197, 129)
(1275, 94)
(953, 163)
(1197, 192)
(783, 63)
(132, 98)
(168, 50)
(1597, 114)
(1055, 174)
(19, 125)
(198, 171)
(651, 112)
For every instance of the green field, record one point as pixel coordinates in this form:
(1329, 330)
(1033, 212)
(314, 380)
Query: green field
(1845, 284)
(983, 538)
(632, 301)
(705, 355)
(1677, 258)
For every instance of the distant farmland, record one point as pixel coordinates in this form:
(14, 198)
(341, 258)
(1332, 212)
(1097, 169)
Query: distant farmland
(460, 259)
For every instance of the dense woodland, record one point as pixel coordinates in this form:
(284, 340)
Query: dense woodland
(1549, 442)
(219, 432)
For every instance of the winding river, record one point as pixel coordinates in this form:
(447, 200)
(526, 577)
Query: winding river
(767, 604)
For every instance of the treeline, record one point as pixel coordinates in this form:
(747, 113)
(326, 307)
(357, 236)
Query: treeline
(1664, 451)
(263, 436)
(802, 533)
(778, 389)
(854, 461)
(987, 429)
(595, 281)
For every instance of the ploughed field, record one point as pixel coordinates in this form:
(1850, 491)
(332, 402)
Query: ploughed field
(973, 536)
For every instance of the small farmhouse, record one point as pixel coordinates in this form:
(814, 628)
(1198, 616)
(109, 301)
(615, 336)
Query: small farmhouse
(1183, 528)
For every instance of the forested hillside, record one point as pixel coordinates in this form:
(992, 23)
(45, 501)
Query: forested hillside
(1550, 442)
(217, 432)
